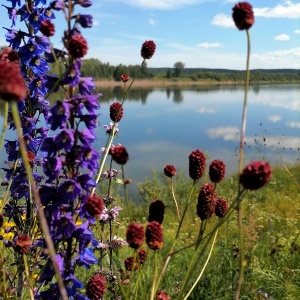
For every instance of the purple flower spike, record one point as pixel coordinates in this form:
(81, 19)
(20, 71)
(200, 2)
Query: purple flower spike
(83, 3)
(65, 226)
(86, 85)
(52, 167)
(86, 21)
(65, 139)
(69, 191)
(60, 113)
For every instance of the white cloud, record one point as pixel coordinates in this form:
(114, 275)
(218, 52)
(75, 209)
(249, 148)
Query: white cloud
(297, 31)
(288, 10)
(282, 37)
(161, 4)
(229, 133)
(222, 20)
(95, 23)
(209, 45)
(152, 21)
(204, 110)
(293, 124)
(274, 118)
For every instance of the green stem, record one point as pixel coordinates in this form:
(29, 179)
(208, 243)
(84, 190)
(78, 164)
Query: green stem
(28, 276)
(37, 200)
(154, 284)
(241, 162)
(4, 123)
(126, 195)
(175, 201)
(177, 234)
(204, 267)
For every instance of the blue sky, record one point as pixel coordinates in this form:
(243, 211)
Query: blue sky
(199, 33)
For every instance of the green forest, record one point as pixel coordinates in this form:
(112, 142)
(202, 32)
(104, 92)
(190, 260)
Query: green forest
(99, 70)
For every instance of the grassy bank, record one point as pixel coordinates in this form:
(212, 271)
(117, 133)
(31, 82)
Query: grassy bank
(271, 231)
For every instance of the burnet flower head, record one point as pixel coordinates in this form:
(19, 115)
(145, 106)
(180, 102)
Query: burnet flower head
(242, 14)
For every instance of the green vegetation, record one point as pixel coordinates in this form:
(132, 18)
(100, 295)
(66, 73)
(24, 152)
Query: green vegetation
(99, 70)
(271, 229)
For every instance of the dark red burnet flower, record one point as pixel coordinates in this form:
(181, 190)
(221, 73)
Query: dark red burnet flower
(169, 171)
(47, 28)
(9, 55)
(156, 211)
(119, 154)
(197, 161)
(78, 46)
(154, 235)
(148, 49)
(31, 157)
(135, 235)
(242, 14)
(12, 86)
(256, 175)
(217, 170)
(206, 201)
(142, 256)
(96, 287)
(22, 244)
(124, 77)
(94, 205)
(221, 207)
(116, 112)
(162, 295)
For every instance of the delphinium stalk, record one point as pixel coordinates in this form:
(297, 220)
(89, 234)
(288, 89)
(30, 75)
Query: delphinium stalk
(27, 47)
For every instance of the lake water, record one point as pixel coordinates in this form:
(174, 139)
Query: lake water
(163, 125)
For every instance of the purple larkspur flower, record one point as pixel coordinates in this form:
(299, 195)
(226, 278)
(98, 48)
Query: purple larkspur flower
(48, 271)
(30, 143)
(72, 284)
(28, 124)
(85, 21)
(69, 191)
(48, 194)
(42, 42)
(11, 149)
(60, 113)
(84, 235)
(15, 2)
(37, 86)
(12, 14)
(65, 226)
(86, 137)
(83, 3)
(51, 55)
(91, 121)
(65, 139)
(38, 65)
(47, 14)
(41, 132)
(86, 85)
(72, 75)
(86, 258)
(14, 37)
(86, 181)
(52, 167)
(57, 5)
(49, 146)
(89, 159)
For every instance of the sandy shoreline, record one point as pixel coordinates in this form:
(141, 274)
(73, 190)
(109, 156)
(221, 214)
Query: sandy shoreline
(143, 83)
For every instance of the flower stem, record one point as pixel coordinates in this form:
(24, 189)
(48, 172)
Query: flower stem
(241, 162)
(155, 283)
(175, 201)
(37, 200)
(4, 123)
(204, 267)
(28, 276)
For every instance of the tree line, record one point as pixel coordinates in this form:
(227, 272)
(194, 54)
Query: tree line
(95, 68)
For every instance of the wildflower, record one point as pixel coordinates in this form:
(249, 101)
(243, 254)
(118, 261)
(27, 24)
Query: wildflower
(60, 113)
(94, 205)
(156, 211)
(12, 86)
(96, 287)
(216, 171)
(256, 175)
(83, 3)
(129, 266)
(86, 21)
(162, 295)
(169, 171)
(148, 49)
(221, 207)
(119, 154)
(78, 46)
(124, 77)
(86, 85)
(135, 235)
(47, 28)
(242, 15)
(206, 201)
(116, 112)
(197, 162)
(142, 256)
(154, 235)
(22, 244)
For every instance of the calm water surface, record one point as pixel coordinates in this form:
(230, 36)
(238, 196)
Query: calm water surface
(162, 126)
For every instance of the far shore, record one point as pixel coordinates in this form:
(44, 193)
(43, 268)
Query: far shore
(146, 83)
(151, 83)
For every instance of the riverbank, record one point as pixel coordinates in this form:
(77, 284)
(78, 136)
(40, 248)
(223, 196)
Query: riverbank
(147, 83)
(162, 82)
